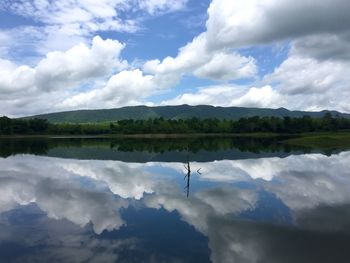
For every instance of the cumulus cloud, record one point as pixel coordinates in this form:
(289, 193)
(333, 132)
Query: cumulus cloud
(224, 66)
(79, 63)
(237, 23)
(299, 83)
(208, 95)
(307, 83)
(13, 78)
(227, 96)
(61, 69)
(55, 82)
(195, 58)
(314, 76)
(59, 72)
(127, 87)
(259, 97)
(234, 24)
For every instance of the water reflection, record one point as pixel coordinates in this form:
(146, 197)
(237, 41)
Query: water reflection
(266, 209)
(188, 173)
(203, 149)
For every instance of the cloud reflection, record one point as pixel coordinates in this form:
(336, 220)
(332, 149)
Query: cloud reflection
(314, 187)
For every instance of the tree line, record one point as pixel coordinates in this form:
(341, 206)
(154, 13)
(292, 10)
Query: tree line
(180, 126)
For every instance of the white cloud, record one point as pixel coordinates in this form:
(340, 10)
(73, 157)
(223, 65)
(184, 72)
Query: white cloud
(196, 59)
(299, 83)
(215, 95)
(14, 79)
(62, 24)
(298, 75)
(95, 15)
(127, 87)
(55, 82)
(307, 83)
(61, 69)
(79, 63)
(89, 15)
(227, 96)
(160, 6)
(58, 72)
(224, 66)
(259, 97)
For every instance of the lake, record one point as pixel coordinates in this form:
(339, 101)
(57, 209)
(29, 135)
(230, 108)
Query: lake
(172, 200)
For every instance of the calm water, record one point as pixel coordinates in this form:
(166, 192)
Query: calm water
(244, 200)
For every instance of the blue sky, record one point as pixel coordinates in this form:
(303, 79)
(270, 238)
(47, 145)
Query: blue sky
(65, 55)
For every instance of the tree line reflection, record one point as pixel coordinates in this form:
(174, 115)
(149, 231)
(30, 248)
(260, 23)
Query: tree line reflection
(42, 146)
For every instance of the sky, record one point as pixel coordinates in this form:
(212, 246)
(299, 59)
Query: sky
(59, 55)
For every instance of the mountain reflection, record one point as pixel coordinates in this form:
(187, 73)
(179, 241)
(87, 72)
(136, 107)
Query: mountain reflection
(266, 209)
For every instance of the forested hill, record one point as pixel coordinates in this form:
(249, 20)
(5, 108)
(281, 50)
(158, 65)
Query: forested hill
(174, 112)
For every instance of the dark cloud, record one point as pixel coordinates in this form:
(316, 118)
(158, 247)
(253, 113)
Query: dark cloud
(324, 47)
(263, 22)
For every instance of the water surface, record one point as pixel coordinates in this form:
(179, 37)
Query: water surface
(103, 200)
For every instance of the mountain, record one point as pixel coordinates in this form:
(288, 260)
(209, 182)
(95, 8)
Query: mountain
(174, 112)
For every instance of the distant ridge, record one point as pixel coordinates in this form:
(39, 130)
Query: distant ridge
(174, 112)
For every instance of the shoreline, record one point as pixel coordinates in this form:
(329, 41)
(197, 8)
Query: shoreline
(292, 136)
(146, 136)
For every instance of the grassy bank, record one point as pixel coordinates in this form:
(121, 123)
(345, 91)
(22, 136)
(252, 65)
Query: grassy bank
(329, 140)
